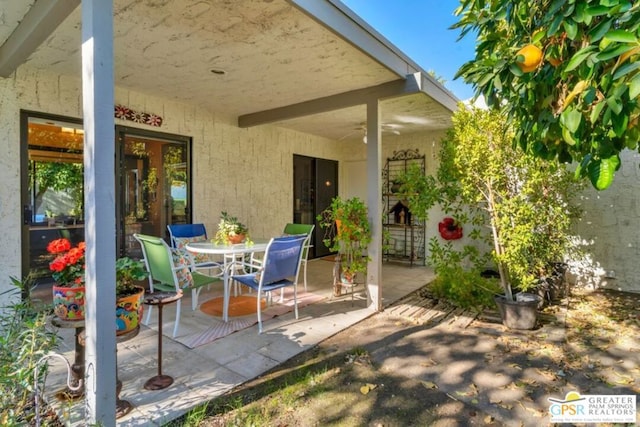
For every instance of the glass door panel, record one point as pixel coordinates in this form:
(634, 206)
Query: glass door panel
(53, 207)
(154, 185)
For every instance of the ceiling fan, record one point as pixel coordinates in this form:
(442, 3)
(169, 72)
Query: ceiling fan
(362, 128)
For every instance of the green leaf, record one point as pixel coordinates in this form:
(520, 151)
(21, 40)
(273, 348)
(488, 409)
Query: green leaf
(555, 25)
(615, 104)
(568, 138)
(634, 87)
(620, 123)
(579, 57)
(600, 174)
(571, 28)
(621, 36)
(571, 119)
(613, 51)
(595, 112)
(597, 10)
(600, 30)
(626, 69)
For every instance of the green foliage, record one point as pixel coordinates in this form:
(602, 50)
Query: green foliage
(351, 235)
(582, 101)
(518, 204)
(59, 176)
(24, 340)
(129, 271)
(465, 288)
(419, 190)
(229, 227)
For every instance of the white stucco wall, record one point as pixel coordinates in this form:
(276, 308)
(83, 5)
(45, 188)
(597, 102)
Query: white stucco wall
(247, 172)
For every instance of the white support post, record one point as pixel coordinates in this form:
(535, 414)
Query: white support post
(374, 203)
(99, 171)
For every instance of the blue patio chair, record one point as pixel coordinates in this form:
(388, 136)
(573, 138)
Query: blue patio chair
(280, 268)
(183, 234)
(307, 229)
(171, 271)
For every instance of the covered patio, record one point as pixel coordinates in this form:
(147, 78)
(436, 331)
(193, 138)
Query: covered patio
(210, 370)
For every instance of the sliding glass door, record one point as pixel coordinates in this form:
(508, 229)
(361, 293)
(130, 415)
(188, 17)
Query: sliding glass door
(315, 184)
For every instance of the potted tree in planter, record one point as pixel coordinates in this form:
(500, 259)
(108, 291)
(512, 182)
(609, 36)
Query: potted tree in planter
(68, 270)
(230, 230)
(519, 205)
(347, 232)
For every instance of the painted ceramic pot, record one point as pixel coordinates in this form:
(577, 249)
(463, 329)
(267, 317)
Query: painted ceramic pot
(129, 312)
(68, 302)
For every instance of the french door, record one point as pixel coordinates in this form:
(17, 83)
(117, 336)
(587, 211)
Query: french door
(152, 186)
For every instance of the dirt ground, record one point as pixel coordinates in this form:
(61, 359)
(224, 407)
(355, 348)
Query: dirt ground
(402, 370)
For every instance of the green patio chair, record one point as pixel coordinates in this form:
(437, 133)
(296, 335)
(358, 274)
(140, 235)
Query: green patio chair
(294, 229)
(171, 271)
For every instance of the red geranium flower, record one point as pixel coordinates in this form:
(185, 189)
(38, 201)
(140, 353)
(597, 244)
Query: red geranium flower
(68, 266)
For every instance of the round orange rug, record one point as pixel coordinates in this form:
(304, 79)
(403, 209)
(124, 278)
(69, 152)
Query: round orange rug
(238, 306)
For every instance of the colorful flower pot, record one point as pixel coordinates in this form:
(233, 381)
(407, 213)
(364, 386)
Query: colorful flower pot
(68, 302)
(129, 311)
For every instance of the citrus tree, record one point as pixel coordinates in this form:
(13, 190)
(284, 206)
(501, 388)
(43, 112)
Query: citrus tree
(566, 70)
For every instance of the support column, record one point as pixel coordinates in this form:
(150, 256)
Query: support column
(99, 184)
(374, 203)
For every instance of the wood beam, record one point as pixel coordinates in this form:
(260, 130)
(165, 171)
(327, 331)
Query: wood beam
(38, 24)
(412, 84)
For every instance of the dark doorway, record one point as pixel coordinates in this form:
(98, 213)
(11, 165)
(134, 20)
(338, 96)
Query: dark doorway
(315, 184)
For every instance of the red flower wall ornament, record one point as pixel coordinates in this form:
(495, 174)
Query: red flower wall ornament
(450, 229)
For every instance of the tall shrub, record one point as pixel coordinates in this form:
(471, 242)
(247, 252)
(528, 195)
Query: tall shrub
(522, 202)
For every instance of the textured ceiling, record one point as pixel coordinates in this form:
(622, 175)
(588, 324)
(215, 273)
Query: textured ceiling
(272, 55)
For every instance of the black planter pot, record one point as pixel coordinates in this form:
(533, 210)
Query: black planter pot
(519, 314)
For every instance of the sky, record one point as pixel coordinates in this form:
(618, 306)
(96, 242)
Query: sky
(420, 29)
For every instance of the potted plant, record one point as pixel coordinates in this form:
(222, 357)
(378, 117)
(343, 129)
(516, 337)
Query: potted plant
(347, 232)
(230, 230)
(68, 270)
(129, 295)
(517, 205)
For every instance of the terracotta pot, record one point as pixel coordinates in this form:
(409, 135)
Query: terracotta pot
(234, 240)
(129, 311)
(68, 302)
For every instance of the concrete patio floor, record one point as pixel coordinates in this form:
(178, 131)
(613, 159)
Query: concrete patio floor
(208, 371)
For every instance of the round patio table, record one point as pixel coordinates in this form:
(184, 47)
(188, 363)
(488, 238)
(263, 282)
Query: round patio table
(230, 254)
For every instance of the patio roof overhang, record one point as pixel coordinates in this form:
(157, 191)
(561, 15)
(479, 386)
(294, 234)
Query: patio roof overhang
(306, 65)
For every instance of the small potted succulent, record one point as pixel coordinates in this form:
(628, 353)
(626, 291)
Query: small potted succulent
(230, 230)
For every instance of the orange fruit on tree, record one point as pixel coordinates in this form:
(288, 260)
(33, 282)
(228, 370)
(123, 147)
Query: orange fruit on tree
(532, 55)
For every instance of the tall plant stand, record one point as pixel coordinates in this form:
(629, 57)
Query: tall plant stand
(77, 369)
(160, 299)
